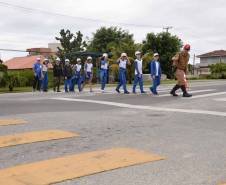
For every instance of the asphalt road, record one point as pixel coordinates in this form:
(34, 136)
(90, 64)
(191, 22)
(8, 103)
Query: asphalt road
(190, 133)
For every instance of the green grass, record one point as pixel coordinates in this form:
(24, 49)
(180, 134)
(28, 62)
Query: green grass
(16, 90)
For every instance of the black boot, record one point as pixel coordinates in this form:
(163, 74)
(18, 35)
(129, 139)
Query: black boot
(173, 91)
(185, 93)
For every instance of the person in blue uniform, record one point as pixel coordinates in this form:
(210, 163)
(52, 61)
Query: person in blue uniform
(78, 77)
(45, 75)
(138, 73)
(104, 71)
(88, 70)
(72, 84)
(155, 72)
(122, 61)
(67, 75)
(37, 69)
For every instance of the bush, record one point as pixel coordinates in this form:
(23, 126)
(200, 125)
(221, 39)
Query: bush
(218, 71)
(114, 73)
(217, 76)
(146, 60)
(12, 81)
(23, 78)
(218, 68)
(3, 68)
(3, 75)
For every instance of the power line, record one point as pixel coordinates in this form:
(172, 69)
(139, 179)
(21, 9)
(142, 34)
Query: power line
(25, 51)
(14, 50)
(27, 9)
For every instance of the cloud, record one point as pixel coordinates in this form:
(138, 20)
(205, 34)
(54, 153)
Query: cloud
(201, 23)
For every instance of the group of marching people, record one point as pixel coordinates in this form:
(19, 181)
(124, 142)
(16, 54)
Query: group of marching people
(73, 75)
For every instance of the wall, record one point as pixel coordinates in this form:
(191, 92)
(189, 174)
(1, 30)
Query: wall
(204, 62)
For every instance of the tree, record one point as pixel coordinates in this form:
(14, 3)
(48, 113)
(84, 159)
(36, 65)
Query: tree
(166, 45)
(70, 43)
(114, 40)
(3, 75)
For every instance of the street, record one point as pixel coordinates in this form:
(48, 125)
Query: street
(188, 134)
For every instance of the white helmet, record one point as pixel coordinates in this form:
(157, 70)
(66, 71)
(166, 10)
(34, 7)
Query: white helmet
(67, 60)
(137, 53)
(156, 54)
(78, 59)
(58, 59)
(123, 55)
(89, 58)
(38, 59)
(105, 55)
(46, 59)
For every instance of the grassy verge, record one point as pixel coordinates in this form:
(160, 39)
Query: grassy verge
(15, 90)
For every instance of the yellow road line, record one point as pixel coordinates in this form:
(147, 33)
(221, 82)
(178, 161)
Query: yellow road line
(5, 122)
(74, 166)
(31, 137)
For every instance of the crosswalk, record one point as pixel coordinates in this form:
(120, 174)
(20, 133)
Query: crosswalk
(220, 99)
(163, 92)
(6, 122)
(193, 92)
(66, 167)
(74, 166)
(144, 107)
(33, 137)
(209, 95)
(83, 164)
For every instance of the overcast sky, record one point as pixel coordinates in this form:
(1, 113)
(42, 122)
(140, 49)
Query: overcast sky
(202, 23)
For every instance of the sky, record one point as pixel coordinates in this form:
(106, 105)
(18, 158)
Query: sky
(200, 23)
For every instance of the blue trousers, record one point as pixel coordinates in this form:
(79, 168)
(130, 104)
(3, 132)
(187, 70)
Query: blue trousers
(37, 83)
(67, 84)
(122, 79)
(79, 80)
(72, 84)
(155, 84)
(103, 78)
(45, 82)
(136, 80)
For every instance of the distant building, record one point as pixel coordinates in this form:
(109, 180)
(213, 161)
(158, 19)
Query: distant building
(207, 59)
(27, 62)
(54, 46)
(46, 52)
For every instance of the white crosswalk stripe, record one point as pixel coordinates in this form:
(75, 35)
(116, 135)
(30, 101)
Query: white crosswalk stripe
(220, 99)
(144, 107)
(193, 92)
(208, 95)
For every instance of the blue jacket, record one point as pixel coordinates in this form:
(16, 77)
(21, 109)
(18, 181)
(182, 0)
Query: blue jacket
(152, 68)
(37, 69)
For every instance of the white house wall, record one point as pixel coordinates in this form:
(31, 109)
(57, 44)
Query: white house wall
(204, 62)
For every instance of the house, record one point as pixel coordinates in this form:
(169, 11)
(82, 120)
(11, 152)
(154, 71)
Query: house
(207, 59)
(54, 46)
(27, 62)
(46, 52)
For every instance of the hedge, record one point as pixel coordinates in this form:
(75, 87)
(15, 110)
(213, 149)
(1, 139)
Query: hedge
(24, 78)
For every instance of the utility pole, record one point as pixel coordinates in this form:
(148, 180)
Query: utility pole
(167, 28)
(194, 64)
